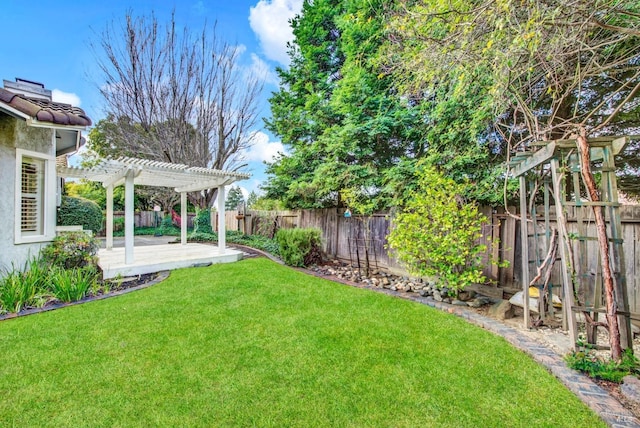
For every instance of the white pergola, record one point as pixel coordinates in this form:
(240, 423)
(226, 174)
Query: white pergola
(131, 171)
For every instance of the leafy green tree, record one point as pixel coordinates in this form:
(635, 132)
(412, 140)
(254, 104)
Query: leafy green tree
(265, 204)
(342, 121)
(436, 233)
(252, 199)
(347, 125)
(234, 199)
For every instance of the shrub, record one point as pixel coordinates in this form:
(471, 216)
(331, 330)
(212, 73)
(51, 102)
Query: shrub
(167, 227)
(437, 233)
(202, 222)
(233, 237)
(71, 250)
(299, 247)
(203, 237)
(80, 211)
(256, 241)
(118, 224)
(69, 285)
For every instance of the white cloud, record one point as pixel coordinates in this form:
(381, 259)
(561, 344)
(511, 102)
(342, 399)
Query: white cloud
(263, 71)
(263, 149)
(269, 19)
(59, 96)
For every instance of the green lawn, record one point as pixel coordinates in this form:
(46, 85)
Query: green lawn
(257, 344)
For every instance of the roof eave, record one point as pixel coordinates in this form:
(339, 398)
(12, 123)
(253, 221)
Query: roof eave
(40, 124)
(14, 112)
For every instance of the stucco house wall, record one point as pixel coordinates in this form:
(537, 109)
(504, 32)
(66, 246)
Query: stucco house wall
(15, 133)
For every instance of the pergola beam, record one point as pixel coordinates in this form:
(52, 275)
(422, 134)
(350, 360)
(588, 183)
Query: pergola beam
(203, 185)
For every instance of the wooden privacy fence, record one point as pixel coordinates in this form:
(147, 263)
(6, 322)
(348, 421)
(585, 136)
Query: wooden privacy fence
(345, 238)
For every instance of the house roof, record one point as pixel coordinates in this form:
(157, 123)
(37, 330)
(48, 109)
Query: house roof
(44, 110)
(182, 178)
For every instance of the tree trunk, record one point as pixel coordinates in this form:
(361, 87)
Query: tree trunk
(603, 242)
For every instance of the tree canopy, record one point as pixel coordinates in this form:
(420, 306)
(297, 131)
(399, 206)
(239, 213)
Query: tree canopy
(552, 69)
(349, 126)
(175, 96)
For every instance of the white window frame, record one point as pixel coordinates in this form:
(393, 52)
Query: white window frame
(48, 217)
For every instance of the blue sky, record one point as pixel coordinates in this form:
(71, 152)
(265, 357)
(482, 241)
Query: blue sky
(49, 42)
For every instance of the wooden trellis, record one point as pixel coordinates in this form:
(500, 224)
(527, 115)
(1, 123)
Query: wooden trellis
(558, 164)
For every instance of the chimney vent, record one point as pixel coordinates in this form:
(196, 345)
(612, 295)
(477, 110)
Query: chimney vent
(28, 88)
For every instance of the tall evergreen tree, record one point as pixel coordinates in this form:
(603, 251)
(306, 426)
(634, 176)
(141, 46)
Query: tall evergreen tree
(347, 126)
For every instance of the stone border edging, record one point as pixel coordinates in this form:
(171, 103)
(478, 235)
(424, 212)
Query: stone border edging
(261, 252)
(161, 277)
(610, 410)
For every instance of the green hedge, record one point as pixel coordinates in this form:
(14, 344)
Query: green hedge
(299, 247)
(79, 211)
(202, 221)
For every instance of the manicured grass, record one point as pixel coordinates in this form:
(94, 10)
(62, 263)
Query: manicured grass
(257, 344)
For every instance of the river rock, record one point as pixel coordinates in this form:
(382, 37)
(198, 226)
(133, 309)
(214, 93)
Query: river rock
(502, 310)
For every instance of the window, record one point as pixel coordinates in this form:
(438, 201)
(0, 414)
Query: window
(34, 197)
(32, 185)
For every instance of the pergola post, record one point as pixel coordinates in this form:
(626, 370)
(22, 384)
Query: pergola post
(110, 217)
(128, 217)
(183, 218)
(222, 237)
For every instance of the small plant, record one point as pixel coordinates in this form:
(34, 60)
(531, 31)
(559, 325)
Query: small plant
(69, 285)
(587, 362)
(22, 288)
(80, 211)
(299, 247)
(71, 250)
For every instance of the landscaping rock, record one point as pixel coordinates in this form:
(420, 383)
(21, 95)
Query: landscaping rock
(502, 310)
(385, 281)
(457, 302)
(475, 303)
(630, 388)
(437, 296)
(466, 295)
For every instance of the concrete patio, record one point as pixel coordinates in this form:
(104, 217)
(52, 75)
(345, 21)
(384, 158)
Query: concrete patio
(155, 254)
